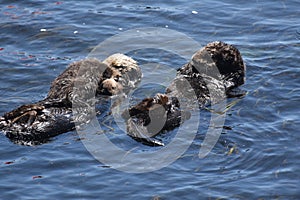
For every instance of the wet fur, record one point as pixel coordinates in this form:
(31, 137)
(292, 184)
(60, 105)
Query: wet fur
(211, 74)
(77, 85)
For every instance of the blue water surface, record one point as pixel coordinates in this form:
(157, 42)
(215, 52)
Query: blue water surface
(256, 157)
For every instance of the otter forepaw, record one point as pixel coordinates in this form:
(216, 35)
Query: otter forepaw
(26, 119)
(22, 110)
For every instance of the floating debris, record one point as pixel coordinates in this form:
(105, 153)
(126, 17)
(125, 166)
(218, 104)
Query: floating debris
(11, 6)
(227, 128)
(39, 12)
(75, 32)
(150, 7)
(35, 177)
(105, 166)
(194, 12)
(9, 162)
(233, 149)
(43, 30)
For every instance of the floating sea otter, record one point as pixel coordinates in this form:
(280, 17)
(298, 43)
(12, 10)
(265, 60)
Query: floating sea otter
(52, 116)
(212, 74)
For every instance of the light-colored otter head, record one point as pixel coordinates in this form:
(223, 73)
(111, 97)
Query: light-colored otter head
(124, 70)
(119, 60)
(110, 87)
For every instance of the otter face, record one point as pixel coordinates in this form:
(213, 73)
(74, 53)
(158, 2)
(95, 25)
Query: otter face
(110, 87)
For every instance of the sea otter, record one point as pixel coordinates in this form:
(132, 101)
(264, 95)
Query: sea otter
(211, 75)
(80, 82)
(107, 77)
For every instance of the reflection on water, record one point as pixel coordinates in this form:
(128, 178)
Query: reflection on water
(257, 155)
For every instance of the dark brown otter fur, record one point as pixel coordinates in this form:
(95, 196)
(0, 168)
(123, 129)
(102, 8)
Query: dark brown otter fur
(78, 85)
(210, 75)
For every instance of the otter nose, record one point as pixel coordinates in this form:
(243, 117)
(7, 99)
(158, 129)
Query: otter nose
(106, 91)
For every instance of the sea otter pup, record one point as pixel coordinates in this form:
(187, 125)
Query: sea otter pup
(80, 82)
(126, 72)
(211, 74)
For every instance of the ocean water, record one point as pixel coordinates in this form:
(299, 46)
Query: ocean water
(257, 156)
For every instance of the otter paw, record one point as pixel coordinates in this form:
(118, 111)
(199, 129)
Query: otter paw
(110, 87)
(26, 119)
(22, 110)
(161, 99)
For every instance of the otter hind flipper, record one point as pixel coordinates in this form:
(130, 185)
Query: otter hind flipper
(141, 134)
